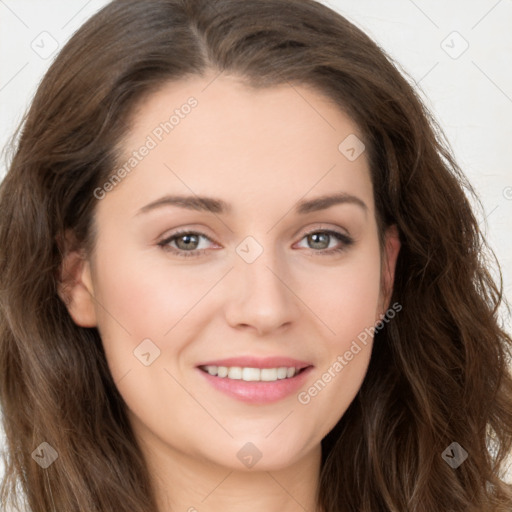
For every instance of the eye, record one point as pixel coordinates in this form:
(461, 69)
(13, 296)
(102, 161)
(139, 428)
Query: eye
(320, 240)
(187, 243)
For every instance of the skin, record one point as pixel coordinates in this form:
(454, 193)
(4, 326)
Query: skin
(261, 151)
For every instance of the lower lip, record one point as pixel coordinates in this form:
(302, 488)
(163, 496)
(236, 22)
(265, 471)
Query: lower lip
(257, 392)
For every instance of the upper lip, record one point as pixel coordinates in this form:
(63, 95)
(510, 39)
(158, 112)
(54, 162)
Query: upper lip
(258, 362)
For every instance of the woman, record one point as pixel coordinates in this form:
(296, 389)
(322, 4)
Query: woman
(239, 272)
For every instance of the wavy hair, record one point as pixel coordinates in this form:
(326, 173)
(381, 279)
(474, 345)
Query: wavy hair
(438, 372)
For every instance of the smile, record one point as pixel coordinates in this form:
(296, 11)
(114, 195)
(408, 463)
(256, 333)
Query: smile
(257, 386)
(249, 374)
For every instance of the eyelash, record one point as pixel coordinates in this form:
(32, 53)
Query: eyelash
(344, 239)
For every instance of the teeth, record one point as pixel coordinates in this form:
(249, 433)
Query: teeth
(282, 372)
(252, 374)
(235, 372)
(222, 371)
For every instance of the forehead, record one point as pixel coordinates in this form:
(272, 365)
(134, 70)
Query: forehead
(216, 136)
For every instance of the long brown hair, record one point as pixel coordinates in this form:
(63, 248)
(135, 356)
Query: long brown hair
(438, 372)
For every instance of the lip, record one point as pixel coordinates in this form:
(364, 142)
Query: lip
(258, 362)
(259, 392)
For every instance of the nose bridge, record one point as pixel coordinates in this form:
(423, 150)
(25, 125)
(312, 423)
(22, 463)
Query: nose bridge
(261, 296)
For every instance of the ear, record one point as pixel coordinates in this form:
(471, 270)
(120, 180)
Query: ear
(391, 249)
(75, 283)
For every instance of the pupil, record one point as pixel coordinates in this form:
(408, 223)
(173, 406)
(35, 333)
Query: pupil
(188, 240)
(315, 238)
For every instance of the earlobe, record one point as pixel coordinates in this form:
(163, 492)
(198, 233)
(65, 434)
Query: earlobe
(75, 284)
(391, 249)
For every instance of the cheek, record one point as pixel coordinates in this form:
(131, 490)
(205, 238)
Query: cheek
(347, 299)
(136, 302)
(349, 307)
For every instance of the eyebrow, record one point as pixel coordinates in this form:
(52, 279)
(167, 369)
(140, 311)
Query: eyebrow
(215, 205)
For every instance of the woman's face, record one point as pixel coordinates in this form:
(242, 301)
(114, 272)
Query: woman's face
(263, 275)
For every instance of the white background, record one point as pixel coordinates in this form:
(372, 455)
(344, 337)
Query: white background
(469, 92)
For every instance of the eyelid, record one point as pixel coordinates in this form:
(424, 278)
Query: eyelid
(325, 228)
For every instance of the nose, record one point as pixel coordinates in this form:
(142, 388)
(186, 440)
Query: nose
(261, 295)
